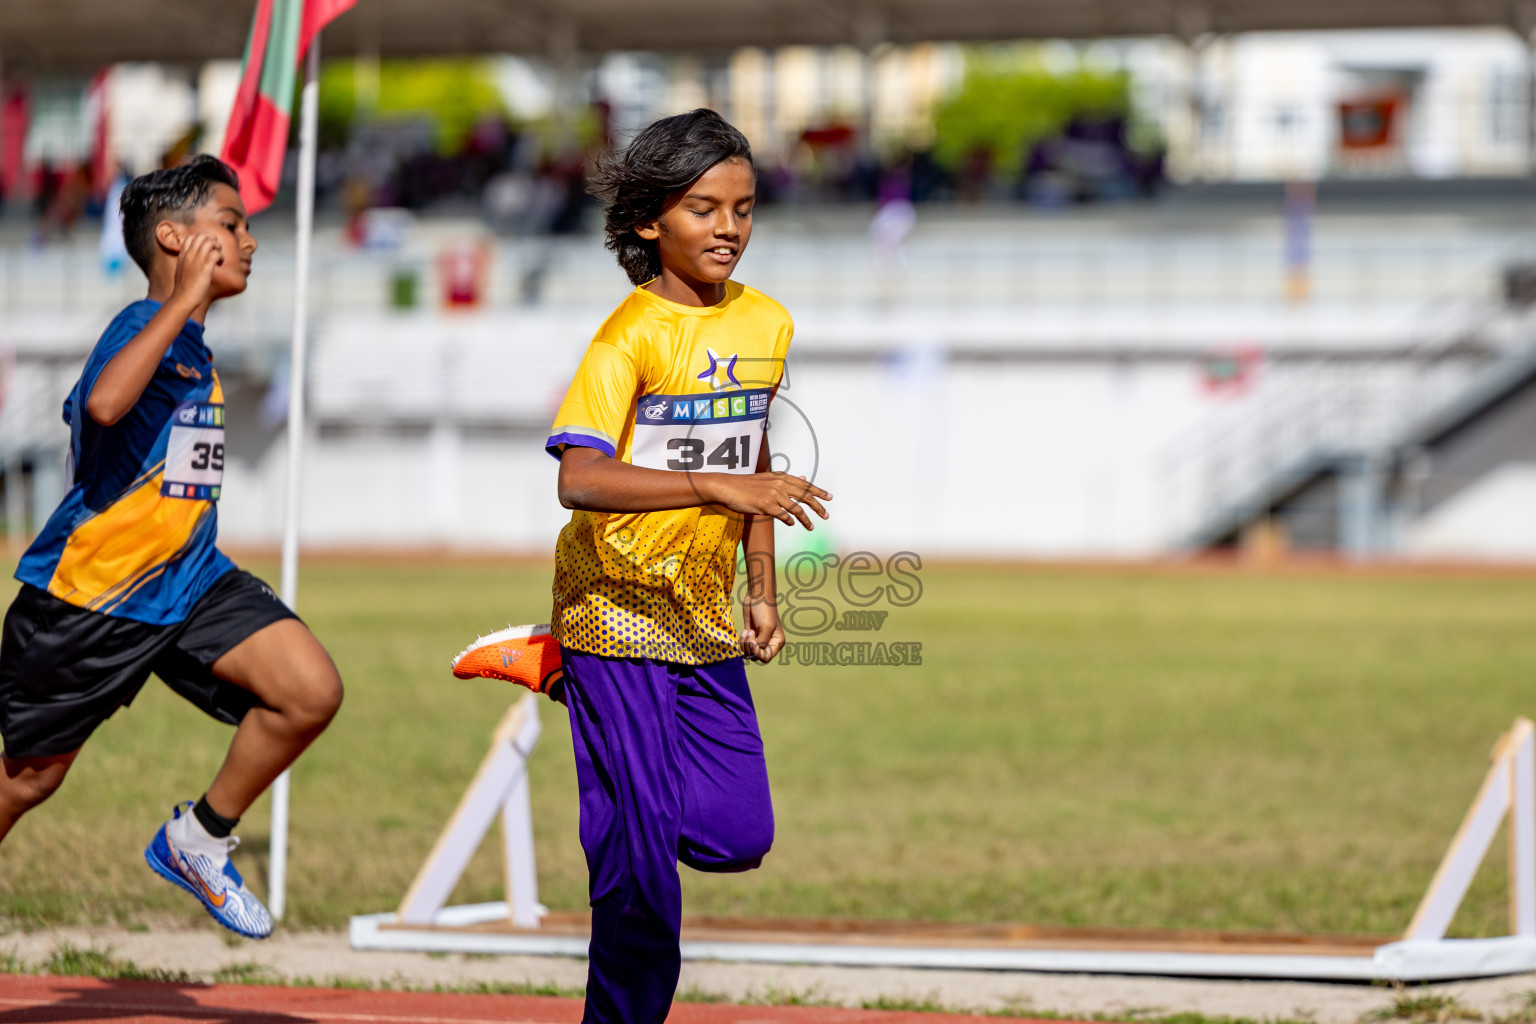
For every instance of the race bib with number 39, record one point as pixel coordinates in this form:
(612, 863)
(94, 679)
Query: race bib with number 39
(718, 433)
(194, 455)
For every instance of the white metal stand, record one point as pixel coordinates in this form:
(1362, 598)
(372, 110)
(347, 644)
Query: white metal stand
(500, 786)
(1509, 787)
(1424, 954)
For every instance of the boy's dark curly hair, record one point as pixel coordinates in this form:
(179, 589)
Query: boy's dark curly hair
(172, 193)
(667, 156)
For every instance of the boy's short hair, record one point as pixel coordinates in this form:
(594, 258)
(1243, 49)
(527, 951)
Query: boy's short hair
(172, 193)
(666, 156)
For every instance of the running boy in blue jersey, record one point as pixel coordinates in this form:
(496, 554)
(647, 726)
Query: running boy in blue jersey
(124, 578)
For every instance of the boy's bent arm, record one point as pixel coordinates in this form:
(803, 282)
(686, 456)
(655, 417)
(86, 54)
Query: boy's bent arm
(764, 633)
(593, 482)
(126, 375)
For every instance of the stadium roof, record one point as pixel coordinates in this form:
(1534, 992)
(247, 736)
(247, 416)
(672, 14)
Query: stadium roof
(85, 34)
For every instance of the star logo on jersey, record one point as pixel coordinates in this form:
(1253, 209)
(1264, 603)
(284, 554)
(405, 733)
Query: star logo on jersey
(717, 363)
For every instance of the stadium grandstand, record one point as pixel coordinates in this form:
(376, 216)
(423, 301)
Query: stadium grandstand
(1282, 298)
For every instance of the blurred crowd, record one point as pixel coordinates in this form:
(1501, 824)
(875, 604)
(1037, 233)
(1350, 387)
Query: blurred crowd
(531, 179)
(524, 184)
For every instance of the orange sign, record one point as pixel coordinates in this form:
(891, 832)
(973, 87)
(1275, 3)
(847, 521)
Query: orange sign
(1368, 124)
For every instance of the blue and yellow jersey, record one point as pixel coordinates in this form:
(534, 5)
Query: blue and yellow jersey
(134, 537)
(681, 388)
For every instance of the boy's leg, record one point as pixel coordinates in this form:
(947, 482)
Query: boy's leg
(623, 728)
(246, 659)
(63, 671)
(300, 691)
(26, 782)
(727, 822)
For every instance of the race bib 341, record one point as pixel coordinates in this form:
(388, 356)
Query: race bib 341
(709, 433)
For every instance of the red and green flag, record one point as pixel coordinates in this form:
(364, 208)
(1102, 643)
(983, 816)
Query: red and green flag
(257, 136)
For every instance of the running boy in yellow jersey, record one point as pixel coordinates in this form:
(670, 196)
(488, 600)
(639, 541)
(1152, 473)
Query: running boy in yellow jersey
(124, 578)
(663, 454)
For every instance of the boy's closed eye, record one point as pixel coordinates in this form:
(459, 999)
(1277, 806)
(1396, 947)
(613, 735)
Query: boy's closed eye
(740, 212)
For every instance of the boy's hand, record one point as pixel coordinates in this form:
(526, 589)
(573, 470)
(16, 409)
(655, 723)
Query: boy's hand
(774, 494)
(764, 635)
(194, 269)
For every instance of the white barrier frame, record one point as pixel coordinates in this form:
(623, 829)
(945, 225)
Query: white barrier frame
(1424, 954)
(500, 786)
(1508, 788)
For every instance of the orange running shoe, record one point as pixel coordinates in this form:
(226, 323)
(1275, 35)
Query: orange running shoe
(526, 655)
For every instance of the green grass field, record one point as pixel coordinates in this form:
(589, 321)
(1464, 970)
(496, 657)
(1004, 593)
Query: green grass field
(1132, 748)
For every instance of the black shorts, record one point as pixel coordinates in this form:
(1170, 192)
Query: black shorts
(65, 670)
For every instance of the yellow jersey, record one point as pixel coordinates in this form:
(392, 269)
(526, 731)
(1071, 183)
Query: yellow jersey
(679, 388)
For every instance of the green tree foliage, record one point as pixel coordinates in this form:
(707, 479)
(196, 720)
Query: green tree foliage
(1008, 100)
(452, 94)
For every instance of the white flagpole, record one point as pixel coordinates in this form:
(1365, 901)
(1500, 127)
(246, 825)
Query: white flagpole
(309, 118)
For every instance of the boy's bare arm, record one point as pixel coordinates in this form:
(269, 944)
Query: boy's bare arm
(593, 482)
(128, 373)
(764, 633)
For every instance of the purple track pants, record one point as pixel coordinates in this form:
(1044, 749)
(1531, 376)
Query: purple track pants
(670, 766)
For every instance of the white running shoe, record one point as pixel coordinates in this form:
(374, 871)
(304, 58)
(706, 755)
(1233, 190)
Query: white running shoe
(183, 853)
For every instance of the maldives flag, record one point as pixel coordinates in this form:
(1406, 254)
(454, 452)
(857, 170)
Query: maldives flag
(257, 136)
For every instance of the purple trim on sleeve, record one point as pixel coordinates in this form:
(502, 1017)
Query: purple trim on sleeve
(576, 440)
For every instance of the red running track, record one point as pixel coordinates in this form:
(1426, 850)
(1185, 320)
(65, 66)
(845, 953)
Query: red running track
(36, 999)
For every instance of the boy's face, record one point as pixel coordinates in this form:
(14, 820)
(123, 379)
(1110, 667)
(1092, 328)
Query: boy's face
(222, 215)
(703, 232)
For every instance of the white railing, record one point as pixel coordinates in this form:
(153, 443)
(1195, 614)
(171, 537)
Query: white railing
(1326, 409)
(1018, 263)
